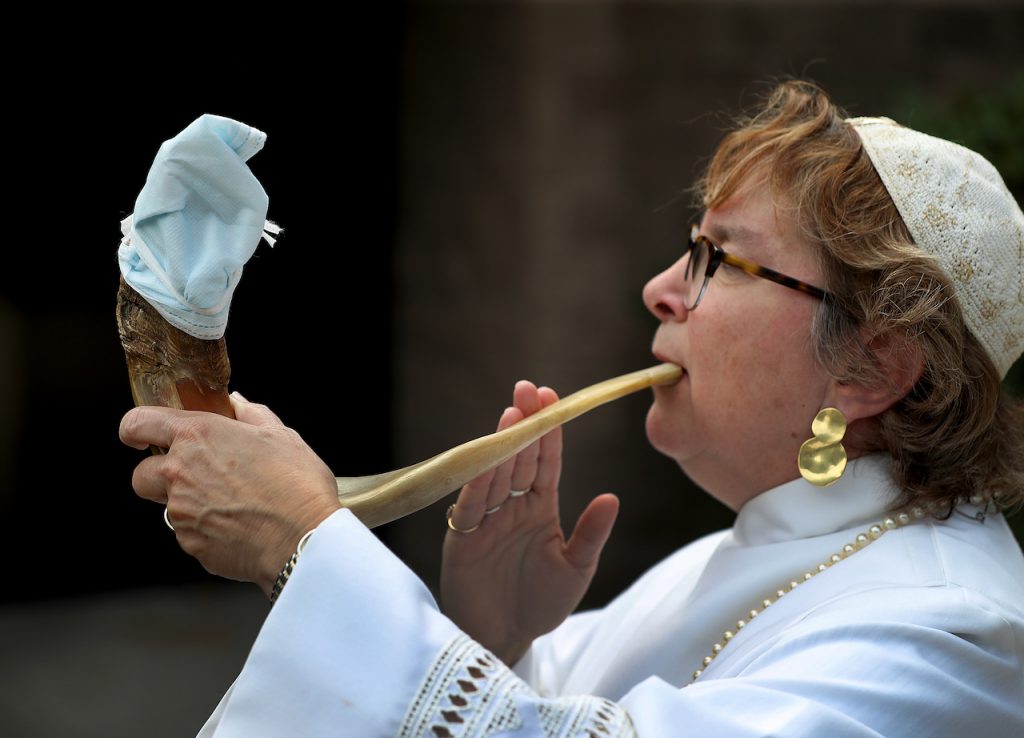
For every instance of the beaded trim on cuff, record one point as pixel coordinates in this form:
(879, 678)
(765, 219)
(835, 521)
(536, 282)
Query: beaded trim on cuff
(467, 692)
(282, 578)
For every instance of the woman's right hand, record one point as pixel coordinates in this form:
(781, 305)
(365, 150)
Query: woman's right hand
(515, 577)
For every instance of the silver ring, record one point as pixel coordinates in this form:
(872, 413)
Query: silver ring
(518, 492)
(492, 510)
(451, 525)
(167, 519)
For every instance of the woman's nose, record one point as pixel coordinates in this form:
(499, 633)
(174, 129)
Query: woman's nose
(664, 293)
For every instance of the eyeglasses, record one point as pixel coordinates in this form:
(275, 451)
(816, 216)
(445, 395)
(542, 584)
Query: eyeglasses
(703, 259)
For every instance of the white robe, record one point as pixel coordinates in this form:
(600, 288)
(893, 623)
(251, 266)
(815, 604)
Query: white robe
(919, 633)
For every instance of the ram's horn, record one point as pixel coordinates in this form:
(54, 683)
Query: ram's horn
(169, 367)
(385, 497)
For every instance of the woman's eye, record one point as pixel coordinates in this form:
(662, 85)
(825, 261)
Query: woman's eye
(731, 273)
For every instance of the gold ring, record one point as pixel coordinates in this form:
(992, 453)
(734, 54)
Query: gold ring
(451, 525)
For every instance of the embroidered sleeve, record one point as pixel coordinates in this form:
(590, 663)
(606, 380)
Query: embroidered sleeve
(469, 693)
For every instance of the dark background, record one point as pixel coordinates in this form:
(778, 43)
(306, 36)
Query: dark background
(472, 193)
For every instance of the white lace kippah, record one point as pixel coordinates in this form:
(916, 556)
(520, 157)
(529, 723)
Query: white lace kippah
(958, 209)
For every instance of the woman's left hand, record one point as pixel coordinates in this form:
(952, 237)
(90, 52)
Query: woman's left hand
(511, 575)
(240, 493)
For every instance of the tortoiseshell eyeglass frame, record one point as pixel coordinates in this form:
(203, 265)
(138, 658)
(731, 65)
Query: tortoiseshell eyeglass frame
(719, 257)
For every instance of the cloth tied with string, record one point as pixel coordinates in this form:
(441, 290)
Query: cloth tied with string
(197, 221)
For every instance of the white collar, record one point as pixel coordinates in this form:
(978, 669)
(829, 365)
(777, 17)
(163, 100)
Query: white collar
(798, 509)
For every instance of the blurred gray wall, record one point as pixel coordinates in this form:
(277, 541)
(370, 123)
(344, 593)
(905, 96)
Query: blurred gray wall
(545, 150)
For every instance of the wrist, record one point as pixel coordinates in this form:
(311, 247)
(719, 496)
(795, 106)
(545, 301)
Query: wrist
(277, 557)
(286, 571)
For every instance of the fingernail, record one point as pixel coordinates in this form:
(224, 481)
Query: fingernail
(239, 395)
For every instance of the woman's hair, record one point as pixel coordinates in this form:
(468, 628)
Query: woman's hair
(955, 433)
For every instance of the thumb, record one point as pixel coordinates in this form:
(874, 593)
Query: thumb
(253, 413)
(592, 531)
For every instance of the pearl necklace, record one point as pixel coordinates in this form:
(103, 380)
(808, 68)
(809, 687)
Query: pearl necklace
(862, 541)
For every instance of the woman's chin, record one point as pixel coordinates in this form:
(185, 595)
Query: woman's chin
(659, 431)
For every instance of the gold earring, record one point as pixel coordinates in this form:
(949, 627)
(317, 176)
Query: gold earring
(822, 459)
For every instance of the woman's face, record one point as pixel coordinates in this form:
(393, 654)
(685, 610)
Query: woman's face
(751, 387)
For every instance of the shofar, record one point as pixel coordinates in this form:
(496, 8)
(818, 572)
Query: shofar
(171, 368)
(167, 366)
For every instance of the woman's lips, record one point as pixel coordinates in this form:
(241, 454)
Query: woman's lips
(665, 360)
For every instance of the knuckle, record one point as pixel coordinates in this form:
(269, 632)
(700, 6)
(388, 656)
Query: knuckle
(269, 433)
(129, 426)
(269, 437)
(194, 429)
(294, 437)
(140, 479)
(194, 545)
(173, 470)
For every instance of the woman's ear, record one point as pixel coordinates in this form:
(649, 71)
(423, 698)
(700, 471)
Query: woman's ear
(900, 362)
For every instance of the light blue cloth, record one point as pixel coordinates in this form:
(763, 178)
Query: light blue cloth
(197, 220)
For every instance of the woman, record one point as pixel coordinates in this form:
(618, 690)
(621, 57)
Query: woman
(888, 603)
